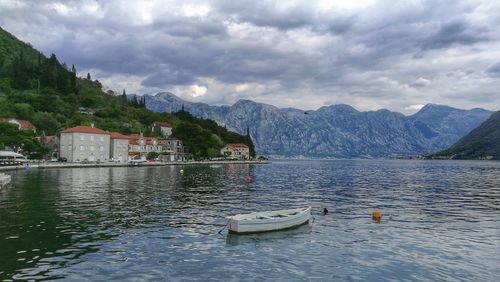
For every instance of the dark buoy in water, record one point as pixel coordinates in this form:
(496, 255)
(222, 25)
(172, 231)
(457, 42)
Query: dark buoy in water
(377, 216)
(325, 211)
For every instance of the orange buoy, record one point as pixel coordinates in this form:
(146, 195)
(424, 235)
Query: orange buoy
(248, 178)
(377, 215)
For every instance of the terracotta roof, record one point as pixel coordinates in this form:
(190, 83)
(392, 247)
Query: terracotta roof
(117, 135)
(25, 124)
(134, 136)
(49, 139)
(85, 129)
(236, 146)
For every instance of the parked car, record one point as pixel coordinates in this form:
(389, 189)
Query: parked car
(63, 160)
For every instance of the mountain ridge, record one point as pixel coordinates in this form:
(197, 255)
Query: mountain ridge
(335, 130)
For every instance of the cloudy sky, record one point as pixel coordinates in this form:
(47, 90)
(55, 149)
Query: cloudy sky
(305, 54)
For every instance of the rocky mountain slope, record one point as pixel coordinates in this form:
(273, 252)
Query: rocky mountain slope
(334, 131)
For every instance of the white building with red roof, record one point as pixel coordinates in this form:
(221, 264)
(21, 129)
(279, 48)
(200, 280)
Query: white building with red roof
(85, 143)
(236, 150)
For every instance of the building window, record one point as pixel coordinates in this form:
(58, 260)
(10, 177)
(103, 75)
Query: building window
(62, 147)
(82, 148)
(91, 137)
(91, 148)
(101, 138)
(82, 137)
(101, 148)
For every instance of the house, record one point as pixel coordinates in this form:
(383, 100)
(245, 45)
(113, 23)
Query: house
(119, 146)
(85, 143)
(51, 142)
(173, 150)
(141, 146)
(237, 150)
(169, 149)
(21, 124)
(163, 127)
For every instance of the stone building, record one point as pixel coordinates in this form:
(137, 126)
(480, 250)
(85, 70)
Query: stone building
(85, 143)
(238, 150)
(119, 146)
(162, 127)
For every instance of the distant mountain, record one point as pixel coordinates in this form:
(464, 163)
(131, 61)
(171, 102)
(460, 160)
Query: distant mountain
(481, 143)
(334, 131)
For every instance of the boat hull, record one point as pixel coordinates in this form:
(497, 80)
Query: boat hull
(255, 223)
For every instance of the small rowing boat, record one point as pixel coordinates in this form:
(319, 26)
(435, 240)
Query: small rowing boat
(268, 220)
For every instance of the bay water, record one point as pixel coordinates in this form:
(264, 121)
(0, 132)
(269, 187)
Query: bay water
(440, 222)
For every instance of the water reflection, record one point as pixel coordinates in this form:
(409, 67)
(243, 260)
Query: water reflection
(268, 237)
(439, 222)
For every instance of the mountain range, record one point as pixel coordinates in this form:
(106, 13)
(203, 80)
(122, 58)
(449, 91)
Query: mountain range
(334, 131)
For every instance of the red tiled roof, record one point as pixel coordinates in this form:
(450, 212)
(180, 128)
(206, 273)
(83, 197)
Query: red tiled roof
(25, 124)
(85, 129)
(117, 135)
(49, 139)
(236, 145)
(134, 136)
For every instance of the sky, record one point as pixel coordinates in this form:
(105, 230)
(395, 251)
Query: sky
(398, 55)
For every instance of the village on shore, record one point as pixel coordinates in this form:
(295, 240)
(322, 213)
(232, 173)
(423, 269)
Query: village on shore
(88, 145)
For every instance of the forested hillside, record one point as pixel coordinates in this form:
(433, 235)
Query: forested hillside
(481, 143)
(52, 96)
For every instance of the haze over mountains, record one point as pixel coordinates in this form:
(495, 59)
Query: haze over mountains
(337, 130)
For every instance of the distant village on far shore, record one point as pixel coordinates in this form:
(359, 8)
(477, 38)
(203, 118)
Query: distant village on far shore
(91, 144)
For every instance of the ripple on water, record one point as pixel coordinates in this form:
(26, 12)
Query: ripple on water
(439, 222)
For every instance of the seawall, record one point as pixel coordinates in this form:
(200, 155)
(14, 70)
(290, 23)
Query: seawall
(80, 165)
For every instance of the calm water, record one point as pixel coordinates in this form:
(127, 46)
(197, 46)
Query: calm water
(441, 221)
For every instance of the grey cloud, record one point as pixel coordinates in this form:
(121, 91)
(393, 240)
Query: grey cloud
(166, 76)
(293, 49)
(455, 32)
(494, 70)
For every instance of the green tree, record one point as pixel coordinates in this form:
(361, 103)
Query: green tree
(73, 78)
(21, 140)
(152, 155)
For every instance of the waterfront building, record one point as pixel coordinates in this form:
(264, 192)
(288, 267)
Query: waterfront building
(236, 150)
(169, 149)
(85, 143)
(119, 146)
(173, 150)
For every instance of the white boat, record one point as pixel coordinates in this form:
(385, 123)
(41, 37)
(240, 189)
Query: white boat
(11, 158)
(268, 220)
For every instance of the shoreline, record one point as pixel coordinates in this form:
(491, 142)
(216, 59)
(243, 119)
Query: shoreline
(79, 165)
